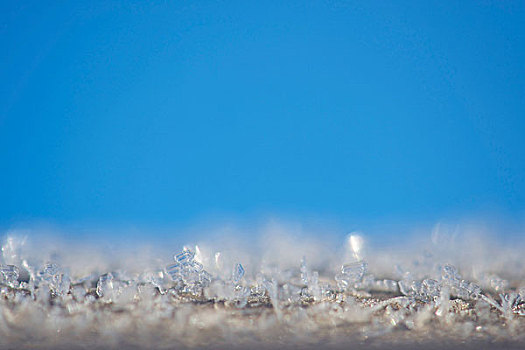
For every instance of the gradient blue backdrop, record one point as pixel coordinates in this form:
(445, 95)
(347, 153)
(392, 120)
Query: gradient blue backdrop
(121, 111)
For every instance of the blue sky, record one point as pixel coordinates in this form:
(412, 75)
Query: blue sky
(166, 113)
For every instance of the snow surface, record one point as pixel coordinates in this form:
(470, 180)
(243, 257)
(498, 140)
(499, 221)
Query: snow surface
(454, 290)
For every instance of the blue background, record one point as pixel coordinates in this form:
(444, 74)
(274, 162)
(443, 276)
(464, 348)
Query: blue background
(121, 112)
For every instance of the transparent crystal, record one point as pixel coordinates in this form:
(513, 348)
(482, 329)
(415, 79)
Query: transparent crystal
(196, 266)
(61, 284)
(354, 272)
(342, 281)
(241, 295)
(51, 276)
(450, 274)
(189, 272)
(12, 249)
(304, 271)
(405, 287)
(389, 285)
(9, 275)
(459, 287)
(105, 288)
(430, 289)
(205, 278)
(186, 257)
(498, 284)
(314, 287)
(48, 271)
(174, 271)
(238, 273)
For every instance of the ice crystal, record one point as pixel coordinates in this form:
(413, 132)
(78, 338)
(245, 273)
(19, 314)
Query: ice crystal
(189, 273)
(351, 274)
(51, 277)
(459, 287)
(206, 293)
(304, 271)
(355, 271)
(238, 273)
(105, 288)
(9, 275)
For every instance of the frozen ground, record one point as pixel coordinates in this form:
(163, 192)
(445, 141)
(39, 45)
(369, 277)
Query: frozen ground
(450, 290)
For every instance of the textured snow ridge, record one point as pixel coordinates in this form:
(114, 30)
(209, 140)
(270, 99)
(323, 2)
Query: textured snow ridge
(445, 293)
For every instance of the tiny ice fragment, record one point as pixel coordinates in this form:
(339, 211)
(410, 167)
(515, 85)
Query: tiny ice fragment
(304, 271)
(241, 296)
(471, 289)
(389, 285)
(498, 284)
(188, 271)
(204, 278)
(49, 271)
(430, 289)
(105, 286)
(459, 287)
(174, 270)
(185, 257)
(61, 284)
(314, 288)
(341, 280)
(450, 274)
(238, 273)
(9, 275)
(11, 249)
(354, 272)
(197, 266)
(405, 287)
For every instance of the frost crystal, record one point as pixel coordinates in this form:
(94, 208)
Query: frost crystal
(351, 274)
(460, 287)
(282, 301)
(11, 249)
(304, 271)
(238, 273)
(189, 272)
(53, 278)
(105, 287)
(9, 275)
(354, 271)
(185, 258)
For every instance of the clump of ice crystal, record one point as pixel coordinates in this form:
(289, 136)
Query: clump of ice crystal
(200, 300)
